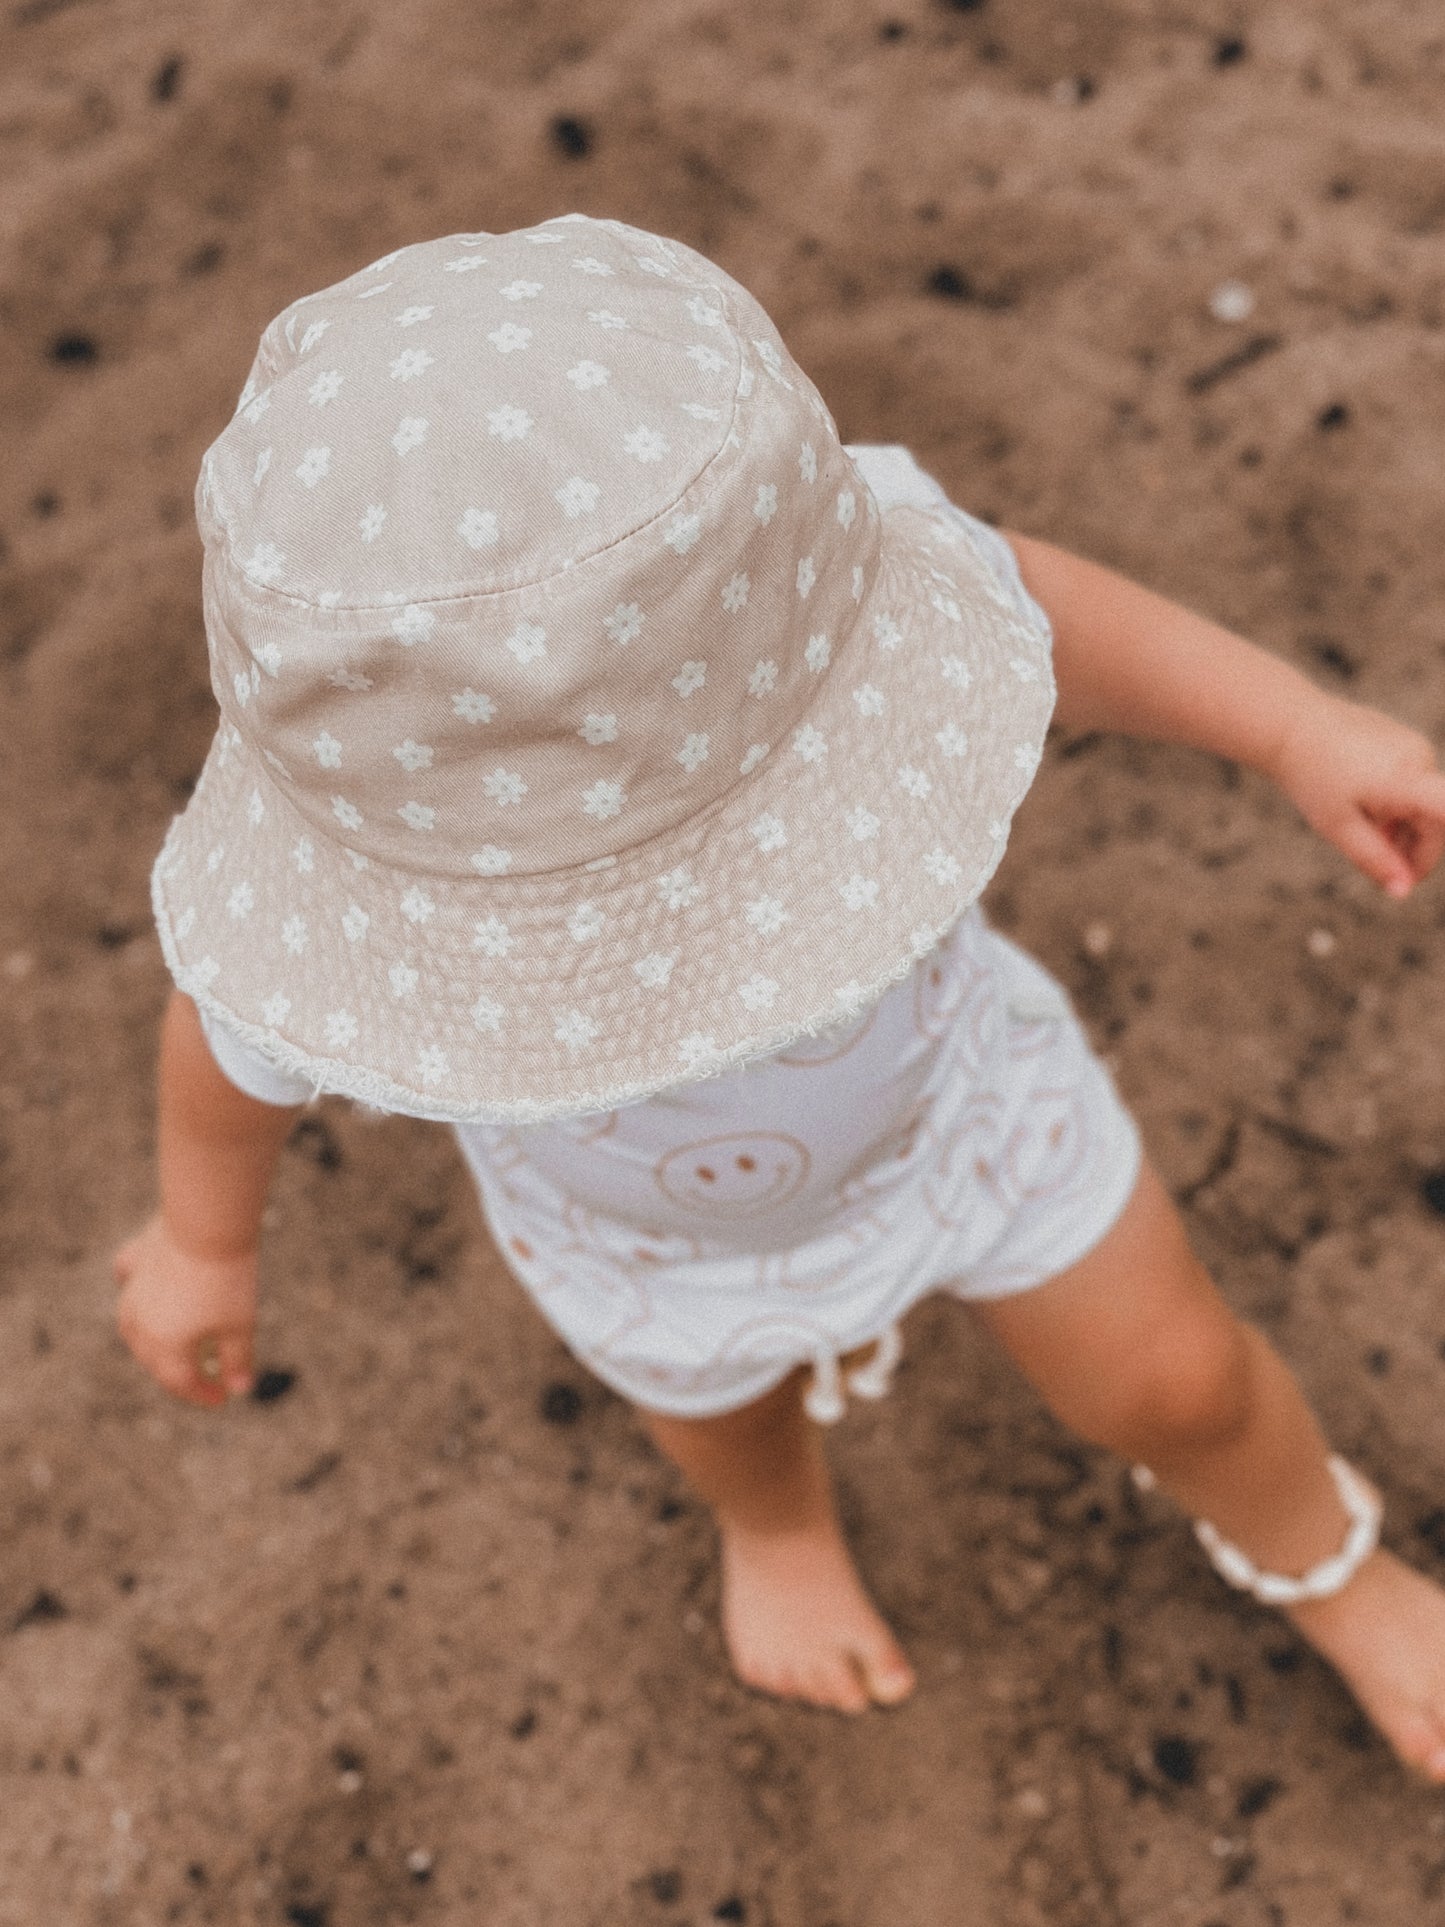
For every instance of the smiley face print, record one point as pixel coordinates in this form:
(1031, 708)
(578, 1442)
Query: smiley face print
(735, 1177)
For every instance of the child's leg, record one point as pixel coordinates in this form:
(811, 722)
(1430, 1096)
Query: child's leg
(1134, 1349)
(795, 1615)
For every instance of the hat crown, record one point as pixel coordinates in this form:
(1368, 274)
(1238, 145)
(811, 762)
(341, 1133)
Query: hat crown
(522, 549)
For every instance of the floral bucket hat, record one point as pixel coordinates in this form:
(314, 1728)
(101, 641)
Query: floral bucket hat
(585, 727)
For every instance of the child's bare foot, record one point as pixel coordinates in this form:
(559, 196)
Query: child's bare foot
(798, 1623)
(1385, 1635)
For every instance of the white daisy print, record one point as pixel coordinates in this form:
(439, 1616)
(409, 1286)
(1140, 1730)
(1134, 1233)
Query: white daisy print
(241, 683)
(753, 756)
(487, 1015)
(956, 671)
(886, 632)
(214, 858)
(1026, 757)
(810, 744)
(304, 856)
(759, 992)
(646, 444)
(914, 781)
(410, 363)
(276, 1009)
(472, 707)
(492, 937)
(763, 678)
(263, 462)
(521, 290)
(1025, 670)
(346, 814)
(600, 318)
(403, 978)
(602, 800)
(807, 576)
(768, 831)
(242, 901)
(679, 888)
(341, 1029)
(703, 313)
(708, 359)
(863, 825)
(509, 338)
(431, 1064)
(766, 505)
(857, 582)
(465, 263)
(295, 935)
(409, 317)
(504, 786)
(942, 866)
(527, 642)
(868, 699)
(689, 678)
(769, 356)
(818, 652)
(859, 892)
(683, 532)
(808, 462)
(491, 861)
(700, 412)
(574, 1029)
(624, 625)
(585, 923)
(372, 522)
(598, 729)
(314, 466)
(696, 1048)
(314, 331)
(478, 528)
(649, 266)
(327, 750)
(577, 497)
(254, 410)
(653, 971)
(418, 816)
(735, 593)
(417, 906)
(693, 752)
(255, 809)
(413, 625)
(847, 507)
(355, 923)
(952, 740)
(325, 388)
(509, 424)
(766, 915)
(349, 679)
(589, 264)
(946, 606)
(410, 433)
(588, 374)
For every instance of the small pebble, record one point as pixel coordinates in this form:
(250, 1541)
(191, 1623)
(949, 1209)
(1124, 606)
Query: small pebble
(561, 1404)
(1320, 943)
(1032, 1803)
(419, 1863)
(271, 1385)
(1232, 301)
(350, 1781)
(1098, 940)
(1225, 1849)
(76, 350)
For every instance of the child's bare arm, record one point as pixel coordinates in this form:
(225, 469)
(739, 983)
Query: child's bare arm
(189, 1276)
(1130, 660)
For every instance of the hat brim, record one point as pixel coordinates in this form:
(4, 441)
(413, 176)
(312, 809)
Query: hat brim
(781, 912)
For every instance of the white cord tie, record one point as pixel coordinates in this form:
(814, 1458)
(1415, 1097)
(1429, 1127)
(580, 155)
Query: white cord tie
(824, 1400)
(1330, 1576)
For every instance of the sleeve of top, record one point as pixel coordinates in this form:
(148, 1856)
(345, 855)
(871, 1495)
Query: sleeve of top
(249, 1071)
(898, 482)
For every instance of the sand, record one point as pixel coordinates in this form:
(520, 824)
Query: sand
(429, 1634)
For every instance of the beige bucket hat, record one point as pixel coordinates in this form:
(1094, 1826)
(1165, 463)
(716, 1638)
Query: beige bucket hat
(585, 728)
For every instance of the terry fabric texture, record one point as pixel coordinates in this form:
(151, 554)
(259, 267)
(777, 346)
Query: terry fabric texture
(586, 723)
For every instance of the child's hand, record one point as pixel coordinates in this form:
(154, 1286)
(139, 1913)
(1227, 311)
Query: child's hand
(177, 1312)
(1370, 786)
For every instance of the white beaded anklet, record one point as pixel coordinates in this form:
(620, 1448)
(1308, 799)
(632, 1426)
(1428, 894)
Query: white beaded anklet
(1330, 1576)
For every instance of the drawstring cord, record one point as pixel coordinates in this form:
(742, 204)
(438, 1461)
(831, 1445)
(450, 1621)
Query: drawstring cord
(825, 1402)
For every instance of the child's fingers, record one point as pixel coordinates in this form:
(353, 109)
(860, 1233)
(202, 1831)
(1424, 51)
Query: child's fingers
(233, 1359)
(1369, 848)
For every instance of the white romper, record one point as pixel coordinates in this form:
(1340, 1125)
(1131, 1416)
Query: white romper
(694, 1247)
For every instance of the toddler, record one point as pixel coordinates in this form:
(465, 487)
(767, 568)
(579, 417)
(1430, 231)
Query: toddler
(610, 763)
